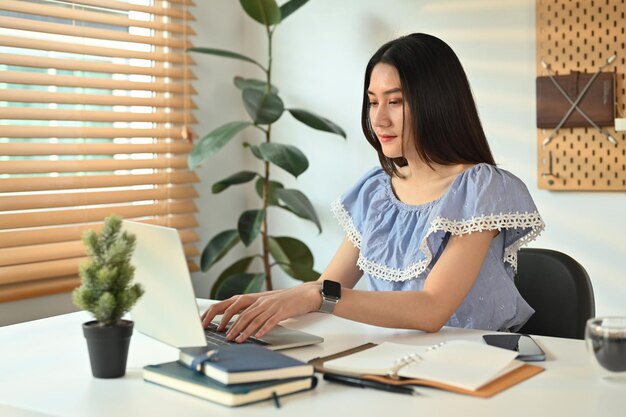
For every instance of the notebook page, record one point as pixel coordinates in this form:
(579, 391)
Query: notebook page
(510, 367)
(377, 360)
(468, 365)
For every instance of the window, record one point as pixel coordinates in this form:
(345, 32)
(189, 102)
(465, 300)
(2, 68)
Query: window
(95, 108)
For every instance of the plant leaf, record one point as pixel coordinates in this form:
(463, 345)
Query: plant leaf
(249, 225)
(301, 273)
(217, 248)
(238, 178)
(236, 268)
(274, 185)
(255, 150)
(243, 283)
(263, 107)
(265, 12)
(316, 122)
(290, 7)
(288, 157)
(300, 205)
(284, 207)
(226, 54)
(243, 83)
(213, 142)
(288, 250)
(294, 257)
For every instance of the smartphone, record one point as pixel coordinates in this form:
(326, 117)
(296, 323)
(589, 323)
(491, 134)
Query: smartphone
(529, 350)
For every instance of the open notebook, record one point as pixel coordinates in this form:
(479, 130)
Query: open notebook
(461, 366)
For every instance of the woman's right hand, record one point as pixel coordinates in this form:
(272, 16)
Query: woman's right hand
(232, 305)
(260, 312)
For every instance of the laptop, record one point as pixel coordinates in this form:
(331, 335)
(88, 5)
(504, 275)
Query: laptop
(168, 311)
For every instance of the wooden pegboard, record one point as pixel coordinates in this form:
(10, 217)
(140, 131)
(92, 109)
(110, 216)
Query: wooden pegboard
(581, 36)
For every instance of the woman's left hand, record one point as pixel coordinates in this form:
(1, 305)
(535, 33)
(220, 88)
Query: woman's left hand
(268, 310)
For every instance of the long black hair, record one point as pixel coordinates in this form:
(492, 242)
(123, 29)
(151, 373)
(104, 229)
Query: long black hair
(445, 122)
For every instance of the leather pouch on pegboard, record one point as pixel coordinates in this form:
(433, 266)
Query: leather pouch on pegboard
(598, 101)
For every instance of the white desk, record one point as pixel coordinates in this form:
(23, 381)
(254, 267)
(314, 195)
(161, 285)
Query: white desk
(44, 368)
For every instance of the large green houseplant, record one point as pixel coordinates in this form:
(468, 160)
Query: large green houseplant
(264, 107)
(107, 292)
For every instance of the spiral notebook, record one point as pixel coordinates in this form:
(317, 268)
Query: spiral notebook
(465, 367)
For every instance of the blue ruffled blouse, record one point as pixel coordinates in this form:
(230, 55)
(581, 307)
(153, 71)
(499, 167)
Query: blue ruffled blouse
(399, 243)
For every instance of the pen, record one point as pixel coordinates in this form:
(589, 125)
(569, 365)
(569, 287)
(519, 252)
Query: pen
(364, 383)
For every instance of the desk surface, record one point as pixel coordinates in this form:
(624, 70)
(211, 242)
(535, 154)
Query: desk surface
(44, 370)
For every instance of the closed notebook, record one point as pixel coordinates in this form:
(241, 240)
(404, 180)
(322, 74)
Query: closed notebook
(178, 377)
(236, 364)
(460, 366)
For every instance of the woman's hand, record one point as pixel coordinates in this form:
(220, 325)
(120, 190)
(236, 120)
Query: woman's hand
(260, 312)
(229, 308)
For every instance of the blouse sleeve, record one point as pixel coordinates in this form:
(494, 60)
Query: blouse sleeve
(353, 207)
(487, 198)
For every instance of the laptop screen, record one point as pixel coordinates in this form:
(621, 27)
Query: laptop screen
(167, 311)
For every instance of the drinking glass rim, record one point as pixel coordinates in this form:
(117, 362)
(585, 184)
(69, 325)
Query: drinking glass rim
(596, 328)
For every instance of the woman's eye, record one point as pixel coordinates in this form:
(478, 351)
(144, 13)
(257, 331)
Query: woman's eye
(372, 104)
(395, 101)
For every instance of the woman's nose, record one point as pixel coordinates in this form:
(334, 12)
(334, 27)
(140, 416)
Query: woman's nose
(380, 117)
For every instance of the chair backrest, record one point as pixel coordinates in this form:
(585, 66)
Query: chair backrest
(559, 290)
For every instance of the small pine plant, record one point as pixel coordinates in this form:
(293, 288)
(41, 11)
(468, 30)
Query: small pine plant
(106, 290)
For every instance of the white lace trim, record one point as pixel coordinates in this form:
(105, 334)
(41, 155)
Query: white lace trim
(475, 224)
(345, 221)
(500, 221)
(391, 274)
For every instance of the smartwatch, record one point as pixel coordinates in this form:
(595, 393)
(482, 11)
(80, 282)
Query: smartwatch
(331, 293)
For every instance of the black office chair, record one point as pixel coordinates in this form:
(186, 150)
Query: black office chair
(559, 290)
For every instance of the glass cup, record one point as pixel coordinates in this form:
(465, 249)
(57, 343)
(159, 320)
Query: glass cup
(606, 341)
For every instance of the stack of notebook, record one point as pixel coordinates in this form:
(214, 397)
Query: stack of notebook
(233, 374)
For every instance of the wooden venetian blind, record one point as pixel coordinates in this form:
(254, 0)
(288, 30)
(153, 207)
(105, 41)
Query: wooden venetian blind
(95, 108)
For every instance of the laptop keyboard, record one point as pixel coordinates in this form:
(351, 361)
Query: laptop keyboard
(215, 338)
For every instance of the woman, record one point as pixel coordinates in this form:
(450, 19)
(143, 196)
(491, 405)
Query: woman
(435, 232)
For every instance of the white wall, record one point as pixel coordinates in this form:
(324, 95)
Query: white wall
(320, 54)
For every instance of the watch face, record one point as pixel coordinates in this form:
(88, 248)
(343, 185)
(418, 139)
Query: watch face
(331, 289)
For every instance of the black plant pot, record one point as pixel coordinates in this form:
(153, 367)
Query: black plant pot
(108, 347)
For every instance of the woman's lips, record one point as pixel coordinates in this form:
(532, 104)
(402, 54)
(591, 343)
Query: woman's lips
(386, 138)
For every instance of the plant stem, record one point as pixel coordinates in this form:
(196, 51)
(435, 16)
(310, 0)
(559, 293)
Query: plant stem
(264, 230)
(266, 180)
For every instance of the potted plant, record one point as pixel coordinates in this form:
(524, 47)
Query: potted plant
(107, 292)
(264, 106)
